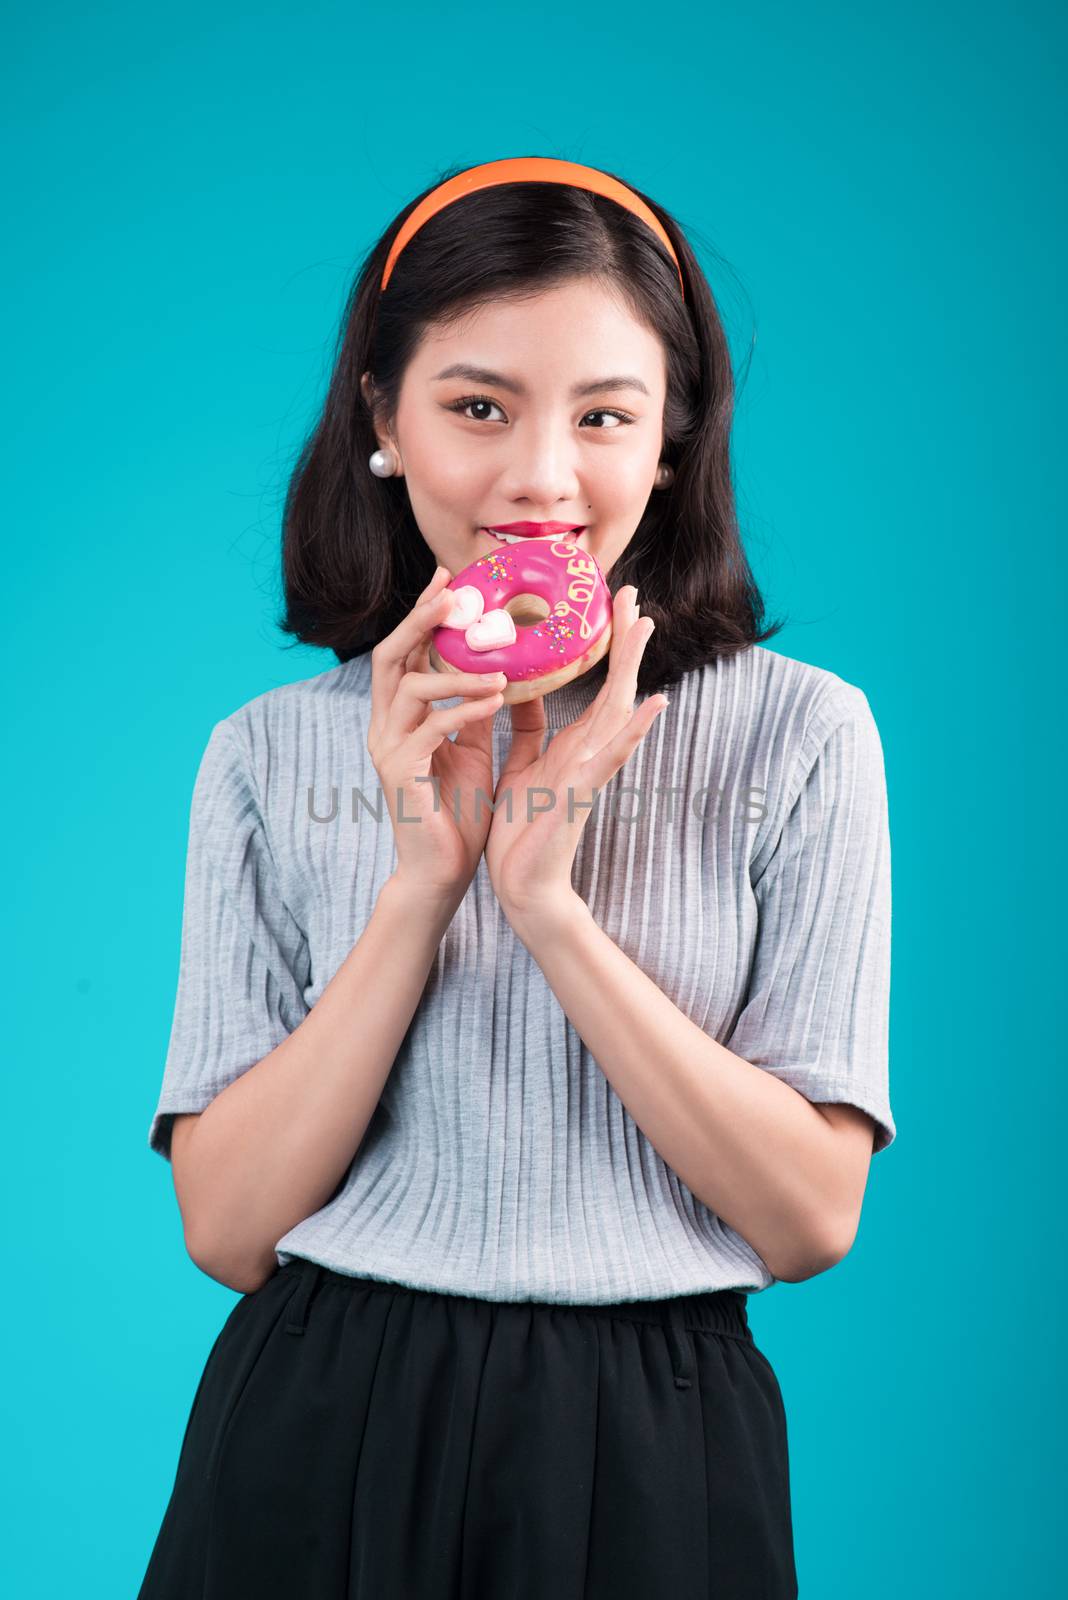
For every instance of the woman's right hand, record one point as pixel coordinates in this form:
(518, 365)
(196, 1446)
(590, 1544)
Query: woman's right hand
(438, 853)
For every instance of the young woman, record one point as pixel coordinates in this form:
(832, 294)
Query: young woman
(496, 1113)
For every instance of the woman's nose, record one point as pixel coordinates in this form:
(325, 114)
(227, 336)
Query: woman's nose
(542, 468)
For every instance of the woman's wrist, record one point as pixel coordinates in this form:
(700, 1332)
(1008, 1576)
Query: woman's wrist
(541, 917)
(424, 900)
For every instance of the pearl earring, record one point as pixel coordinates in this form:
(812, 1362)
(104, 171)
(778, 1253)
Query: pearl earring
(383, 463)
(665, 475)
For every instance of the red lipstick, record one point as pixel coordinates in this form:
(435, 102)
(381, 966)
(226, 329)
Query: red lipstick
(535, 530)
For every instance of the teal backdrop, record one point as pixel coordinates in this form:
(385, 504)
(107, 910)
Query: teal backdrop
(876, 194)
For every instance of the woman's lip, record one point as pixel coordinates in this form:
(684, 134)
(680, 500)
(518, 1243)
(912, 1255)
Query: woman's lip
(573, 534)
(535, 530)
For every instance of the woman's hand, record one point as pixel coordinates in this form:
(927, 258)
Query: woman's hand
(409, 745)
(530, 857)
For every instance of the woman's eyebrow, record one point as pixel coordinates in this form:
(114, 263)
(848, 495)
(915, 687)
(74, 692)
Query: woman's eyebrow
(497, 380)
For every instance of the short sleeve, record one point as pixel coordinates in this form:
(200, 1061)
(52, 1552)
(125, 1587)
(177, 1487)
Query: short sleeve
(243, 966)
(817, 1004)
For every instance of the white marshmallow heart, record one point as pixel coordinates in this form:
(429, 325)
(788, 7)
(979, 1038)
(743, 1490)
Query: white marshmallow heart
(493, 629)
(467, 607)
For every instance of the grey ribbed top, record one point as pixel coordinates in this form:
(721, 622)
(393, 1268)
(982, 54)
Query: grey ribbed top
(500, 1162)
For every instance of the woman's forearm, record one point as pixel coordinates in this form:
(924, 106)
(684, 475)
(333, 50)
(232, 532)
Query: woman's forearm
(273, 1146)
(753, 1149)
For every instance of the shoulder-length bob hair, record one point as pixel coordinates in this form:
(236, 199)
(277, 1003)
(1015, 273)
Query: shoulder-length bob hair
(354, 560)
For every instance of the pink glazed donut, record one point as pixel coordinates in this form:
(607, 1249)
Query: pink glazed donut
(538, 610)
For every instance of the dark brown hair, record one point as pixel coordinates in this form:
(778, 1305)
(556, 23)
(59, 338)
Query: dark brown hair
(353, 558)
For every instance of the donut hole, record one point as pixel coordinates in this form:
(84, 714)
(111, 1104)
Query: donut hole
(526, 610)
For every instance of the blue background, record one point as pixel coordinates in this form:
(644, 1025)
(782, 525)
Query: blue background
(189, 195)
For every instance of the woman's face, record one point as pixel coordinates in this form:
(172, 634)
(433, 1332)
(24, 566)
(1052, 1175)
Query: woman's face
(516, 440)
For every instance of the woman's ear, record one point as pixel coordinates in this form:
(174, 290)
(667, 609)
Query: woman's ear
(367, 389)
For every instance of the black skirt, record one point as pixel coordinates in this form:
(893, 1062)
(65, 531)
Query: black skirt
(356, 1438)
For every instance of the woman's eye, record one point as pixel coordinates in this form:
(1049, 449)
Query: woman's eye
(620, 416)
(479, 400)
(462, 405)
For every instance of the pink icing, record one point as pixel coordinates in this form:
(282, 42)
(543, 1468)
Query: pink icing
(565, 576)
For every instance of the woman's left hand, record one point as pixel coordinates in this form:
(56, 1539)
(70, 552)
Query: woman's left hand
(530, 857)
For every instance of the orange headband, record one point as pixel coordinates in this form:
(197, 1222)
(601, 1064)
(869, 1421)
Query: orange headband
(525, 169)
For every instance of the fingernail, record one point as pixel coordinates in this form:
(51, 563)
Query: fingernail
(490, 677)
